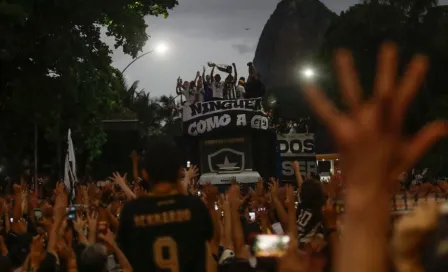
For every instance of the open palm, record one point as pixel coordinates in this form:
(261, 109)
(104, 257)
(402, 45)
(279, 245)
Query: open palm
(369, 135)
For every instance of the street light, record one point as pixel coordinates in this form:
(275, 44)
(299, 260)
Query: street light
(160, 48)
(308, 73)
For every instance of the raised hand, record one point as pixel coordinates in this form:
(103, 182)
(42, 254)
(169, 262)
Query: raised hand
(92, 220)
(79, 224)
(191, 173)
(210, 193)
(109, 237)
(296, 166)
(273, 187)
(369, 136)
(233, 197)
(118, 179)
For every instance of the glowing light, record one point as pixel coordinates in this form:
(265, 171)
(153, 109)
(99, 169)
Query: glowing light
(161, 48)
(308, 73)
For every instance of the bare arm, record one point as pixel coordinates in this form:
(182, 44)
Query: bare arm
(92, 220)
(237, 228)
(179, 90)
(212, 74)
(235, 78)
(281, 212)
(211, 195)
(112, 219)
(71, 262)
(179, 86)
(53, 237)
(227, 242)
(265, 223)
(79, 225)
(282, 215)
(7, 222)
(290, 203)
(122, 260)
(121, 181)
(297, 175)
(197, 76)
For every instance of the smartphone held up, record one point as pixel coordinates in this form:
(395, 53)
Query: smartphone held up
(71, 213)
(270, 246)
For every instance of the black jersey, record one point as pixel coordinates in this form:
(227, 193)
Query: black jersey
(309, 223)
(166, 233)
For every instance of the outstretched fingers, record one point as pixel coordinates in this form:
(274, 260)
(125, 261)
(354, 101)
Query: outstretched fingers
(422, 141)
(409, 85)
(386, 72)
(323, 107)
(348, 79)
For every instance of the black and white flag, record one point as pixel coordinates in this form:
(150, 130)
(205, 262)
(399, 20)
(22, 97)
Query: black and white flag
(70, 178)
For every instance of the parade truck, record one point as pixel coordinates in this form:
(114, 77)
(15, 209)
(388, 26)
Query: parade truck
(229, 140)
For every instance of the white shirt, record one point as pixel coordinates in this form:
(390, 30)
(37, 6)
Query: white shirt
(239, 92)
(200, 95)
(189, 95)
(217, 89)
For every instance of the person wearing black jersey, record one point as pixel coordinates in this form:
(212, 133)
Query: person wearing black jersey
(165, 230)
(309, 219)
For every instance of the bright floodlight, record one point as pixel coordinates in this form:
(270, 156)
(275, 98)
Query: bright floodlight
(308, 73)
(161, 48)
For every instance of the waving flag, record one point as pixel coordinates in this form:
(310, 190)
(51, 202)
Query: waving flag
(70, 167)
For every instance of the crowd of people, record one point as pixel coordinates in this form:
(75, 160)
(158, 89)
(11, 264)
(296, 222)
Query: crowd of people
(163, 221)
(210, 87)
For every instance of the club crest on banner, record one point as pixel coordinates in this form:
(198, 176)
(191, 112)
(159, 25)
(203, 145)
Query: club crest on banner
(226, 159)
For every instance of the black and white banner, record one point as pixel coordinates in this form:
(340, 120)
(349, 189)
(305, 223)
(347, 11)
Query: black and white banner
(226, 154)
(204, 117)
(296, 147)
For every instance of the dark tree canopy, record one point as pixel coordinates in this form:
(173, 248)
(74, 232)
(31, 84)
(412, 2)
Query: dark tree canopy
(55, 70)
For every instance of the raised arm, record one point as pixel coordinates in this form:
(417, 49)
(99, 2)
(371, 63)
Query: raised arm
(237, 228)
(179, 86)
(121, 181)
(203, 72)
(298, 175)
(278, 205)
(198, 74)
(212, 73)
(235, 78)
(109, 239)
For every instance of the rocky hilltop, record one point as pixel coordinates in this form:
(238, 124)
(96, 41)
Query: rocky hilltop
(290, 38)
